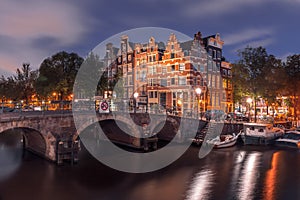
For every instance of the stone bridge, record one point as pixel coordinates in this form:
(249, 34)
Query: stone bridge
(54, 135)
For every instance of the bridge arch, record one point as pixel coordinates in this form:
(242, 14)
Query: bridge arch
(166, 129)
(33, 140)
(90, 125)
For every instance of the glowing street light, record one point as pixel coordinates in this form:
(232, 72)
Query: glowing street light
(135, 95)
(198, 92)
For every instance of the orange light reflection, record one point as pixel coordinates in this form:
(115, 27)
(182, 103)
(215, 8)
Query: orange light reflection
(270, 181)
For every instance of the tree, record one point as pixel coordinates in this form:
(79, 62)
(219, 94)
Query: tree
(57, 74)
(249, 71)
(273, 87)
(87, 83)
(292, 72)
(25, 79)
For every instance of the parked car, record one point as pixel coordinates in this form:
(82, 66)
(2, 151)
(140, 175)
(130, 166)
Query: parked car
(214, 115)
(5, 109)
(27, 108)
(237, 117)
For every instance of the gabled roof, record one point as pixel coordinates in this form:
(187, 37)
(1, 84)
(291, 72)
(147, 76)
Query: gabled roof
(186, 45)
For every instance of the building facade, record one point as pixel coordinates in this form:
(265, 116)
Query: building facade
(166, 75)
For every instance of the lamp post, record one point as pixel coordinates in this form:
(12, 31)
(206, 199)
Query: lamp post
(198, 92)
(21, 107)
(135, 96)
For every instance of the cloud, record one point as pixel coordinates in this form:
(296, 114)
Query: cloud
(206, 8)
(256, 43)
(217, 7)
(31, 19)
(247, 35)
(31, 29)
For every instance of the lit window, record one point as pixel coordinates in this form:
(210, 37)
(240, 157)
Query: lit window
(181, 67)
(182, 80)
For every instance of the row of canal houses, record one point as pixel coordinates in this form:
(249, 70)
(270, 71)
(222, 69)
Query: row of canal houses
(167, 74)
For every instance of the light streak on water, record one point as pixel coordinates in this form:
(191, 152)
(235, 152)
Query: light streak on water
(200, 187)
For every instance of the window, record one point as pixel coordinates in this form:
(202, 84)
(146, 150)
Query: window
(224, 83)
(164, 69)
(209, 66)
(210, 52)
(186, 53)
(150, 81)
(152, 70)
(163, 82)
(130, 80)
(143, 75)
(218, 66)
(229, 72)
(153, 94)
(182, 80)
(174, 94)
(173, 68)
(202, 82)
(201, 68)
(181, 67)
(185, 96)
(172, 55)
(218, 54)
(172, 81)
(213, 81)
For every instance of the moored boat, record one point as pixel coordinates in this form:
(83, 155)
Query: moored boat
(260, 134)
(223, 141)
(290, 139)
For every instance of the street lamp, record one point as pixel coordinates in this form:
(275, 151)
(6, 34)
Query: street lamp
(135, 96)
(198, 92)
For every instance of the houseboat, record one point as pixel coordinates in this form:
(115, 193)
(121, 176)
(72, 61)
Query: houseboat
(290, 139)
(260, 134)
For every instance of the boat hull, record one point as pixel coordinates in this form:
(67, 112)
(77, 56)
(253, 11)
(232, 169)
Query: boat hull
(224, 145)
(258, 140)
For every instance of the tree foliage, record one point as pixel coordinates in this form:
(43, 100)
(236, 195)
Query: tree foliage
(57, 74)
(292, 80)
(19, 86)
(257, 74)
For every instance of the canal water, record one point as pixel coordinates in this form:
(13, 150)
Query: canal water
(240, 172)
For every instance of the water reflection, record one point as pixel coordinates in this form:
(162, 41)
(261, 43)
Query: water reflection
(241, 172)
(11, 151)
(249, 175)
(271, 178)
(201, 185)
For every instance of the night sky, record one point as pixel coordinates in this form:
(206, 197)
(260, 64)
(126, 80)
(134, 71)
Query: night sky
(32, 30)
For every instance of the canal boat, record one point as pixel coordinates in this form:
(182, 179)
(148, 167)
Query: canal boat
(260, 134)
(223, 141)
(290, 139)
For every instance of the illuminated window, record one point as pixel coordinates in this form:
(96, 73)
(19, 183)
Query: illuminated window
(181, 67)
(182, 80)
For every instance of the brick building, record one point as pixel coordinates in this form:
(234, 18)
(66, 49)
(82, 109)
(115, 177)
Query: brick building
(166, 75)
